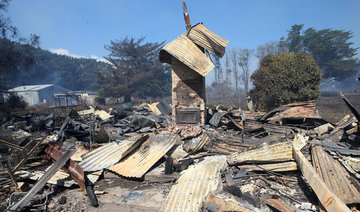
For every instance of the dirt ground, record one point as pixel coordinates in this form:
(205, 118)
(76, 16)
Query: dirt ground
(119, 194)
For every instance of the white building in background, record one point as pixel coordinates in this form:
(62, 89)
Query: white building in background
(47, 94)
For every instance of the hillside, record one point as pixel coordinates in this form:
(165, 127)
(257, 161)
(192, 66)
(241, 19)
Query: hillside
(68, 72)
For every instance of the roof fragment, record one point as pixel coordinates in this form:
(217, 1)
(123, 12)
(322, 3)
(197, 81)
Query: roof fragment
(138, 163)
(108, 155)
(210, 41)
(194, 184)
(184, 50)
(279, 152)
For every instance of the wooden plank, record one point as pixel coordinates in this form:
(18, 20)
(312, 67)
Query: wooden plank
(326, 196)
(335, 176)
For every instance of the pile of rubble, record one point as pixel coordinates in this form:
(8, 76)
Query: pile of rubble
(133, 158)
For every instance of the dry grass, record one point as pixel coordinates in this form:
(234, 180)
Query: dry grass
(333, 108)
(236, 102)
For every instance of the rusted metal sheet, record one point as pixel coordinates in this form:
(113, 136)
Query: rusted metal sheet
(108, 155)
(194, 184)
(279, 205)
(74, 169)
(335, 176)
(301, 110)
(138, 163)
(184, 50)
(223, 202)
(279, 152)
(210, 41)
(327, 197)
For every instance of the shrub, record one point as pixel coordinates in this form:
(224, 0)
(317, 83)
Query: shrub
(15, 101)
(285, 78)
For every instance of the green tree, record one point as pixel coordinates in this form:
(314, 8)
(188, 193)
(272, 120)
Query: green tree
(135, 70)
(285, 78)
(331, 49)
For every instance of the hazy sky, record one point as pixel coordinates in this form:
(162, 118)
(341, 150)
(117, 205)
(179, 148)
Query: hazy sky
(83, 27)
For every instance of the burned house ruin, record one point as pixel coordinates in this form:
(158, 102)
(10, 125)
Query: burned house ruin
(190, 60)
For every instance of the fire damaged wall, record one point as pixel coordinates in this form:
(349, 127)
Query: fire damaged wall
(188, 95)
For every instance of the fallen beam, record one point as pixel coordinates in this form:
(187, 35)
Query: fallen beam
(41, 183)
(62, 128)
(326, 196)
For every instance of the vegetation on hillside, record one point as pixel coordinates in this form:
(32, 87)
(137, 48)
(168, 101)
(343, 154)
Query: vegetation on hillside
(14, 50)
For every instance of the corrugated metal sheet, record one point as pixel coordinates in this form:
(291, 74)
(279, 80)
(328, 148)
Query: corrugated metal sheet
(210, 41)
(275, 167)
(204, 139)
(194, 184)
(267, 153)
(108, 155)
(137, 164)
(335, 176)
(183, 49)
